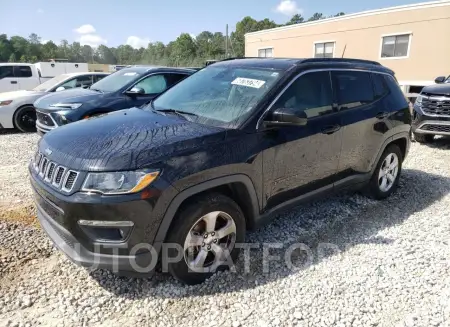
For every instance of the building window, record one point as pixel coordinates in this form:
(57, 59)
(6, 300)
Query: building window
(265, 53)
(324, 50)
(395, 46)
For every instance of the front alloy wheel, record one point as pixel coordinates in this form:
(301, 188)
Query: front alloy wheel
(210, 241)
(206, 229)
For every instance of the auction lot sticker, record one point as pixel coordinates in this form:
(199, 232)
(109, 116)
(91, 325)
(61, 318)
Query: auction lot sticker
(255, 83)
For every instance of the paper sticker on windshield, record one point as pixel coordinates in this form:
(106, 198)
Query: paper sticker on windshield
(255, 83)
(129, 74)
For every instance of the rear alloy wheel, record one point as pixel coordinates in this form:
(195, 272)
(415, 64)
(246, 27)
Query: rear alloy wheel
(386, 176)
(207, 231)
(25, 119)
(423, 138)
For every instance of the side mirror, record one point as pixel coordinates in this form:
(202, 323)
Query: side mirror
(84, 86)
(286, 117)
(60, 88)
(135, 90)
(440, 79)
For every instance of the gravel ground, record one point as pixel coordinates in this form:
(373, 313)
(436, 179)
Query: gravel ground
(390, 265)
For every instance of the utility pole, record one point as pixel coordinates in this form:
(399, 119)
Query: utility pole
(226, 43)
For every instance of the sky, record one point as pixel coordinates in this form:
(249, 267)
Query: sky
(136, 22)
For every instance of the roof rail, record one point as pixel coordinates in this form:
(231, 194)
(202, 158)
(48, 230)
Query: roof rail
(344, 60)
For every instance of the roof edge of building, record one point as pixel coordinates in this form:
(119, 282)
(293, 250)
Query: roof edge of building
(428, 4)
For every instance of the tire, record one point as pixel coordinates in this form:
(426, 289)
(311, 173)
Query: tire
(423, 138)
(376, 188)
(191, 220)
(25, 119)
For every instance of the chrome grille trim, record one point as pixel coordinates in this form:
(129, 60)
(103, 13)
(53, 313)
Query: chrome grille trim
(55, 181)
(43, 166)
(436, 106)
(69, 188)
(50, 172)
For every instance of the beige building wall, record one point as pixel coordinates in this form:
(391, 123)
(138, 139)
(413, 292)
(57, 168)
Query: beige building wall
(360, 36)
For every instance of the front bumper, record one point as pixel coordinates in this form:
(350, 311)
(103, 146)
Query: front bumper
(45, 122)
(79, 255)
(430, 124)
(136, 252)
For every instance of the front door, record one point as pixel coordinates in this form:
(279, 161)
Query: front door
(303, 159)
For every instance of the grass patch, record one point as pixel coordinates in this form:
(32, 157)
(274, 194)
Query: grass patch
(25, 214)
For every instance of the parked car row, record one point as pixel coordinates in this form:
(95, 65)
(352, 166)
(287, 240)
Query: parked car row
(126, 88)
(202, 157)
(16, 107)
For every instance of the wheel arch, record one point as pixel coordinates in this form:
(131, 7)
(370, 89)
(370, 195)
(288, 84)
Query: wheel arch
(238, 187)
(402, 140)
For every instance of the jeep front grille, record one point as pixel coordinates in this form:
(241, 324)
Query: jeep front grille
(436, 106)
(52, 173)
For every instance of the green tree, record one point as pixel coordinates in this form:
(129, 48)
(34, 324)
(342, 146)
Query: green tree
(184, 50)
(5, 48)
(245, 26)
(316, 16)
(296, 19)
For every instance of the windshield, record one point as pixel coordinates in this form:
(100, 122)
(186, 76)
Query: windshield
(222, 96)
(447, 80)
(46, 86)
(115, 81)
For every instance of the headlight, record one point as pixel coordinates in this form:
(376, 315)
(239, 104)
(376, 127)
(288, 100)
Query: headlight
(419, 100)
(122, 182)
(66, 105)
(5, 103)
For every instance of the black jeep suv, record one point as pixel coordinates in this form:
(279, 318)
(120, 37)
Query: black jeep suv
(432, 111)
(215, 155)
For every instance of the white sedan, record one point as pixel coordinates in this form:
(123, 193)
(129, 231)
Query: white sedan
(16, 108)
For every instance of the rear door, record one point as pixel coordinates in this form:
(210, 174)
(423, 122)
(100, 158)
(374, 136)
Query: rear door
(25, 78)
(360, 97)
(8, 82)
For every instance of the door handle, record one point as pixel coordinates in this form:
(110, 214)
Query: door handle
(13, 82)
(382, 115)
(331, 129)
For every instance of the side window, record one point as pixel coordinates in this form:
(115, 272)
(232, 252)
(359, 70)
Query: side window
(396, 94)
(80, 81)
(310, 93)
(98, 77)
(6, 71)
(22, 71)
(380, 88)
(173, 79)
(153, 84)
(353, 89)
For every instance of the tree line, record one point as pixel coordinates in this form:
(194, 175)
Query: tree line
(184, 51)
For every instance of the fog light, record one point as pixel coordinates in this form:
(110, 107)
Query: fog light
(106, 231)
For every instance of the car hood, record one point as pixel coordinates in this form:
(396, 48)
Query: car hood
(19, 94)
(440, 89)
(125, 140)
(78, 95)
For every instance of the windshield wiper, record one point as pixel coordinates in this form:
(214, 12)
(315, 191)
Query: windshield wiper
(178, 112)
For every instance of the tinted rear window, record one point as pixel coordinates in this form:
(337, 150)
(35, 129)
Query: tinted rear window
(6, 71)
(379, 85)
(353, 89)
(22, 71)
